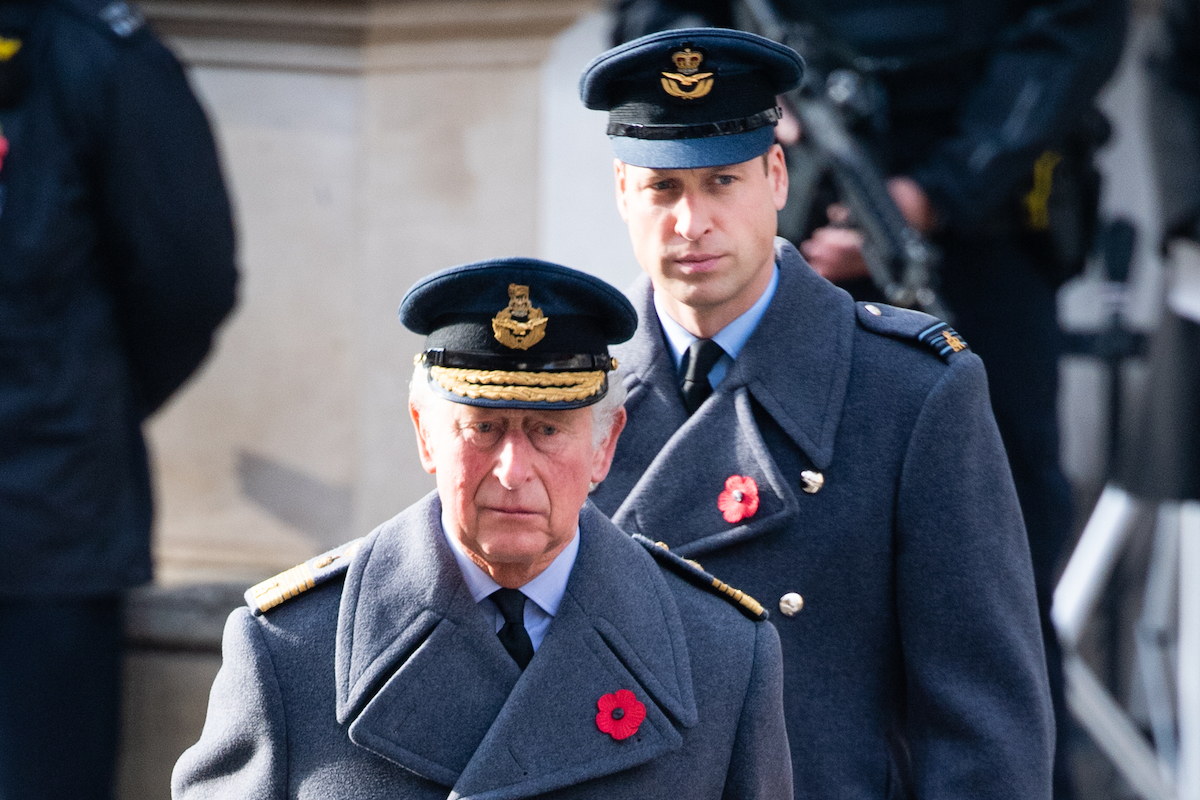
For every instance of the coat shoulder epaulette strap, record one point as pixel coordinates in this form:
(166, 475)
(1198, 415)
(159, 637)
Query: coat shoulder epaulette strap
(119, 18)
(693, 573)
(262, 597)
(903, 323)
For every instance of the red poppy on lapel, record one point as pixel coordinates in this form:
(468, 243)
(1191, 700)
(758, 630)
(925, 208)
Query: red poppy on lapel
(620, 714)
(740, 498)
(3, 148)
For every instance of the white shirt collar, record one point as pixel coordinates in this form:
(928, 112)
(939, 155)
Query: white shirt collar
(546, 590)
(732, 337)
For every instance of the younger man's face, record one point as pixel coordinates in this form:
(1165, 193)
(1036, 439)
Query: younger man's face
(705, 236)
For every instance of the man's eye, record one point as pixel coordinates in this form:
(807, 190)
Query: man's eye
(546, 430)
(724, 180)
(482, 434)
(663, 186)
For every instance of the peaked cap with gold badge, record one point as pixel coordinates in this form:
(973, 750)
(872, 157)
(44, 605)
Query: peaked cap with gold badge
(517, 333)
(691, 97)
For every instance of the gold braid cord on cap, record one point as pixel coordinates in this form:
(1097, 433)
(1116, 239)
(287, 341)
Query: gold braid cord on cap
(530, 387)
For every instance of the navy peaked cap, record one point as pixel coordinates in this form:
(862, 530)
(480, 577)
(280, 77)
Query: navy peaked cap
(691, 97)
(517, 333)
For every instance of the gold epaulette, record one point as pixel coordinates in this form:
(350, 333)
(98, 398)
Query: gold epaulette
(695, 574)
(262, 597)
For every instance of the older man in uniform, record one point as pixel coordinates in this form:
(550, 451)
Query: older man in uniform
(839, 458)
(500, 638)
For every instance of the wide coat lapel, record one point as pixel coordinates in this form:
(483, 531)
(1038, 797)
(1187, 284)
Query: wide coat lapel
(618, 628)
(423, 681)
(420, 676)
(653, 404)
(679, 491)
(670, 475)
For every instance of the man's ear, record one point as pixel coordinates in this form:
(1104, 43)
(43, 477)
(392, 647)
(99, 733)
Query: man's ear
(619, 176)
(603, 457)
(424, 445)
(777, 176)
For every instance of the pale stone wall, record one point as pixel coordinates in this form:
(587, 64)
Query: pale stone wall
(366, 144)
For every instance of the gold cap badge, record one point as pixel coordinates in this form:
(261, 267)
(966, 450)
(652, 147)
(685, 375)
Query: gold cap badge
(689, 82)
(519, 326)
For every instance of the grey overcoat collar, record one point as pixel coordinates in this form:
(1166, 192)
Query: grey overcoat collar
(423, 681)
(795, 366)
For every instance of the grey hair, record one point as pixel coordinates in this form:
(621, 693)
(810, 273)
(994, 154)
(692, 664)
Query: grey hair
(604, 412)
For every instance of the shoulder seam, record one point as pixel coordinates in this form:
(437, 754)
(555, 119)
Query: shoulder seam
(923, 331)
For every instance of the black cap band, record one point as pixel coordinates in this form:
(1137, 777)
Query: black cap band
(550, 362)
(701, 130)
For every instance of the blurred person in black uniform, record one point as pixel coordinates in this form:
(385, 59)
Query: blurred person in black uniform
(1161, 459)
(116, 266)
(986, 135)
(1174, 106)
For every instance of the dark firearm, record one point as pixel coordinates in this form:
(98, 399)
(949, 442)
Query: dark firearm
(828, 103)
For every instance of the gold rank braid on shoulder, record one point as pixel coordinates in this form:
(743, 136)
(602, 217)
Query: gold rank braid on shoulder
(738, 596)
(283, 586)
(534, 387)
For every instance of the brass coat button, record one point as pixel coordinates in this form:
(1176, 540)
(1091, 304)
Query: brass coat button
(790, 604)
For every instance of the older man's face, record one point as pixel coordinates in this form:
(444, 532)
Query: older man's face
(511, 481)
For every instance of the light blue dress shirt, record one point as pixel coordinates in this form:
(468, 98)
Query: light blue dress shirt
(545, 591)
(731, 338)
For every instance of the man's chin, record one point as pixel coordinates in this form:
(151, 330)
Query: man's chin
(508, 549)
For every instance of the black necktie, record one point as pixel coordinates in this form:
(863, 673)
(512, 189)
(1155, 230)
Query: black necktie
(699, 359)
(513, 635)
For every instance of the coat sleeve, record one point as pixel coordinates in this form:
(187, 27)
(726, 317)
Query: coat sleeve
(1042, 73)
(167, 228)
(761, 766)
(978, 718)
(242, 750)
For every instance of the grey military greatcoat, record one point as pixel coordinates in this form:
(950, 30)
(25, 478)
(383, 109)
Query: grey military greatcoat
(392, 684)
(913, 653)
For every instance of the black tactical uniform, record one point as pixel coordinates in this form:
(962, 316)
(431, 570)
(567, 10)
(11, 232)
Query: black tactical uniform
(989, 107)
(1173, 90)
(116, 265)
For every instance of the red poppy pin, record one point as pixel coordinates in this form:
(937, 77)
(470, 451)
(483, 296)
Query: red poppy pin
(620, 714)
(3, 148)
(739, 501)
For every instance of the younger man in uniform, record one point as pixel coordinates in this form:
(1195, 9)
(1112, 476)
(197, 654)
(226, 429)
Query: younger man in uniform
(839, 458)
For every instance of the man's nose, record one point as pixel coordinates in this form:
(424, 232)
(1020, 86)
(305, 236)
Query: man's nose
(692, 217)
(512, 465)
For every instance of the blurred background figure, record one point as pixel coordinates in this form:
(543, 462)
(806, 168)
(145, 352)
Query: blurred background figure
(984, 123)
(116, 266)
(1174, 105)
(1147, 719)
